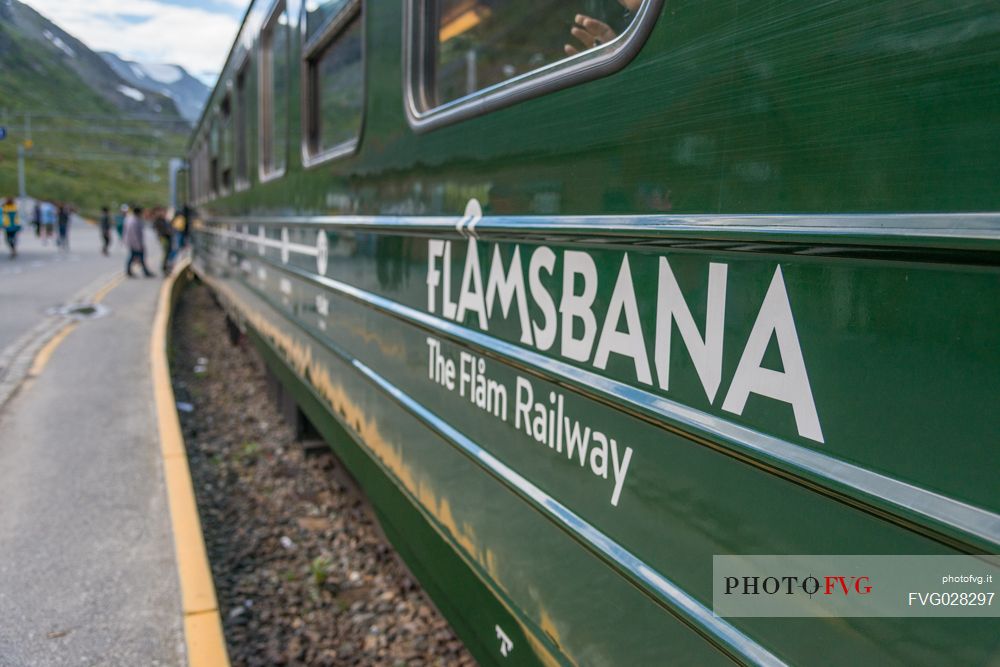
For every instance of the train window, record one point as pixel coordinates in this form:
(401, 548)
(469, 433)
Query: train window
(334, 81)
(192, 174)
(206, 193)
(213, 157)
(467, 57)
(198, 172)
(241, 144)
(225, 144)
(205, 176)
(320, 13)
(274, 90)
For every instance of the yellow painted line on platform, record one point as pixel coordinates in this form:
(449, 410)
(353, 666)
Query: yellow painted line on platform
(44, 354)
(206, 645)
(103, 292)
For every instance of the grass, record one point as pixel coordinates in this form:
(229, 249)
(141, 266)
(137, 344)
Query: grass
(249, 451)
(88, 163)
(319, 570)
(199, 329)
(67, 165)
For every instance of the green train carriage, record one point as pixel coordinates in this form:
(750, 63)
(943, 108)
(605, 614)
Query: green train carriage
(579, 319)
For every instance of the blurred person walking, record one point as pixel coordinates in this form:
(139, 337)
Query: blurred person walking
(186, 213)
(105, 230)
(63, 220)
(36, 219)
(120, 222)
(10, 225)
(48, 220)
(165, 233)
(132, 235)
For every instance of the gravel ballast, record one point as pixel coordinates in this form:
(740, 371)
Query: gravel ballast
(302, 573)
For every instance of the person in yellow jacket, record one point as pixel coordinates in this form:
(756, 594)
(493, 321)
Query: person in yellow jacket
(11, 225)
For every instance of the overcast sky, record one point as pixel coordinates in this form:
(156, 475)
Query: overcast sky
(195, 34)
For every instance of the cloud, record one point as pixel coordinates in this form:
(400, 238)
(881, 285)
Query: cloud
(194, 37)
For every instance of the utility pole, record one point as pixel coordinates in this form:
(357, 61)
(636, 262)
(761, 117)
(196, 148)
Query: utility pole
(22, 147)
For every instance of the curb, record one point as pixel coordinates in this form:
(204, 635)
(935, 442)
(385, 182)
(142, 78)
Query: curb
(206, 645)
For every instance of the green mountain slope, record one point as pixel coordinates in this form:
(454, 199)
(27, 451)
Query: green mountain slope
(95, 140)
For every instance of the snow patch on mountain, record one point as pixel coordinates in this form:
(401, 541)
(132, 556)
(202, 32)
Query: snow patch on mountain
(188, 93)
(163, 73)
(129, 91)
(59, 44)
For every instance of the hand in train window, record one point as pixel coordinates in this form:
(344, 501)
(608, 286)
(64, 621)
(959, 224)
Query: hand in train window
(591, 32)
(481, 43)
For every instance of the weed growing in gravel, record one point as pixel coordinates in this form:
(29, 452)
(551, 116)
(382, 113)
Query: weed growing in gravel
(286, 606)
(319, 569)
(319, 573)
(249, 451)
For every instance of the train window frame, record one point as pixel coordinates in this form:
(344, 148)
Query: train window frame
(213, 155)
(224, 115)
(206, 189)
(241, 106)
(312, 50)
(265, 104)
(200, 157)
(418, 69)
(198, 170)
(192, 174)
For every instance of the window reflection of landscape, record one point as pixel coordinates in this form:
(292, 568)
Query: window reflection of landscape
(481, 43)
(319, 12)
(275, 90)
(340, 86)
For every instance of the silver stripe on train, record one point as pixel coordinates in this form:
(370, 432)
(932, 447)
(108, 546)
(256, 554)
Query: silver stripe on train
(904, 500)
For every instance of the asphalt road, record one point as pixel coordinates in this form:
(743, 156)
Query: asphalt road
(42, 277)
(87, 569)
